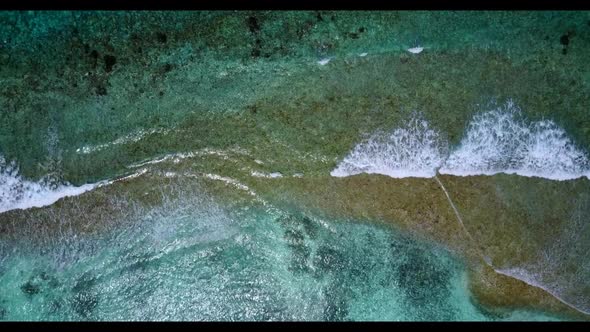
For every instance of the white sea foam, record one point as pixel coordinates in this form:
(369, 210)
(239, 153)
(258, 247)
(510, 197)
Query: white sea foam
(266, 175)
(178, 157)
(416, 50)
(19, 193)
(231, 182)
(501, 141)
(129, 138)
(553, 287)
(496, 141)
(414, 150)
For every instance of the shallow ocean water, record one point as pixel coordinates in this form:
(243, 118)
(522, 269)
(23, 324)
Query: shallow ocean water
(294, 166)
(190, 260)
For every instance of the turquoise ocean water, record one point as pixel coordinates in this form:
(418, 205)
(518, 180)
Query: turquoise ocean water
(294, 165)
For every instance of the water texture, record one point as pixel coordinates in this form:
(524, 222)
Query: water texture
(309, 165)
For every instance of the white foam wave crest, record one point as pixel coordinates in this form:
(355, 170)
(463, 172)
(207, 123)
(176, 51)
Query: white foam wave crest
(497, 141)
(500, 141)
(129, 138)
(19, 193)
(414, 150)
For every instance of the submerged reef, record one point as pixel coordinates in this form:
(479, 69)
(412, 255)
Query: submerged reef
(307, 165)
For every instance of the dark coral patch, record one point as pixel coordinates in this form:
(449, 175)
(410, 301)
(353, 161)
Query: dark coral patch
(253, 25)
(109, 62)
(564, 40)
(30, 288)
(161, 37)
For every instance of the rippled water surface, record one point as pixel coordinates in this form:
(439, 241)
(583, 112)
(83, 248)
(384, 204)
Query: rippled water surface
(294, 166)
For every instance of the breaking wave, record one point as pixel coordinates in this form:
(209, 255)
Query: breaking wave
(501, 141)
(19, 193)
(496, 141)
(414, 150)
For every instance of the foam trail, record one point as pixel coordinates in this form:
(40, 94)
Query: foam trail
(19, 193)
(525, 276)
(500, 141)
(129, 138)
(414, 150)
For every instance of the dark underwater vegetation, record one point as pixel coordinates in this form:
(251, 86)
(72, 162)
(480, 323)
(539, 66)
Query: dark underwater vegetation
(294, 165)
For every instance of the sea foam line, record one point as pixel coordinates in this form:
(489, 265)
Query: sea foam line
(19, 193)
(501, 141)
(524, 276)
(497, 141)
(413, 150)
(129, 138)
(38, 196)
(177, 157)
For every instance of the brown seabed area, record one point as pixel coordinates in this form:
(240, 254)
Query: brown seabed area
(415, 205)
(492, 232)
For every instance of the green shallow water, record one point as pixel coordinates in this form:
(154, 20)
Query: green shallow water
(190, 260)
